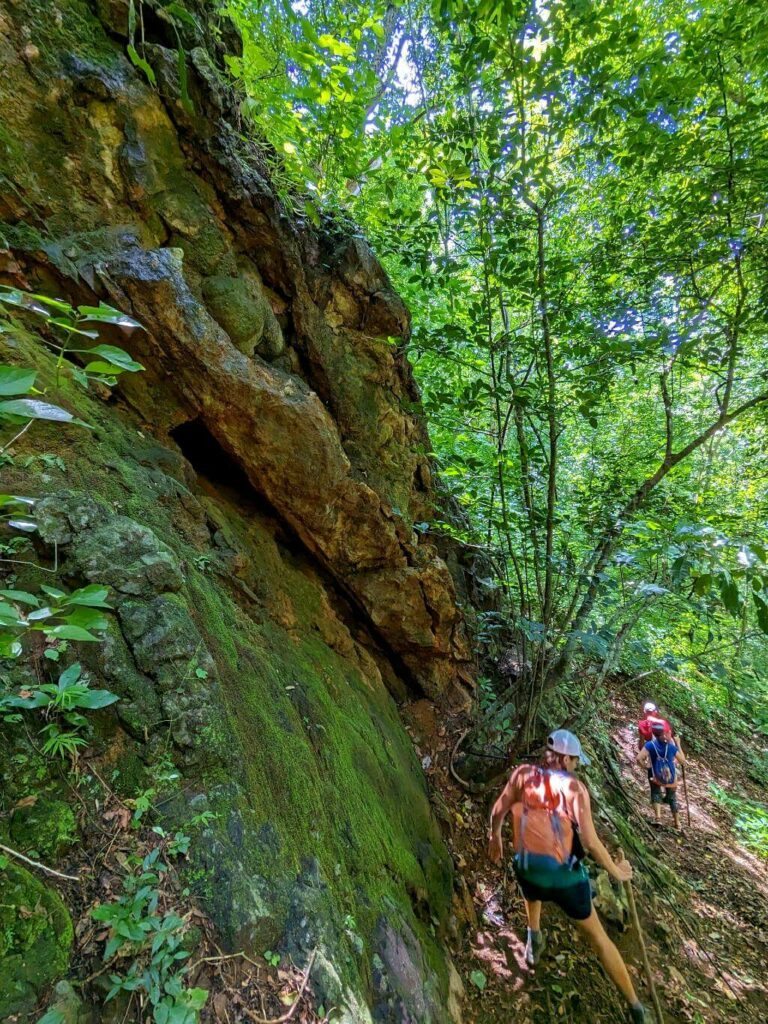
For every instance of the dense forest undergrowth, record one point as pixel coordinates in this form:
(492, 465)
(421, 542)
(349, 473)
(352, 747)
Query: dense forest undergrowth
(302, 551)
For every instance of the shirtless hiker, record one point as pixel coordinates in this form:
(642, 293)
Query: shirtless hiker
(552, 829)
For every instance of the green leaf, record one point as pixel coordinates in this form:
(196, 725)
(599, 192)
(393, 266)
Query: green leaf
(116, 356)
(70, 675)
(729, 592)
(103, 368)
(87, 618)
(59, 304)
(140, 63)
(27, 525)
(93, 596)
(107, 315)
(21, 596)
(52, 592)
(67, 632)
(9, 613)
(195, 998)
(31, 409)
(94, 699)
(181, 14)
(761, 607)
(53, 1016)
(337, 46)
(14, 499)
(16, 381)
(478, 979)
(181, 64)
(39, 614)
(10, 648)
(37, 700)
(34, 303)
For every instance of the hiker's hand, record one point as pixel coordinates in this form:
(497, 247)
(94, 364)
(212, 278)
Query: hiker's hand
(622, 871)
(495, 849)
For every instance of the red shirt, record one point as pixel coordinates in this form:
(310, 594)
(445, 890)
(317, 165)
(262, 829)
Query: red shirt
(645, 726)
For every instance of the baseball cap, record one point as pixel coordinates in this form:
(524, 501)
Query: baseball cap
(649, 706)
(564, 742)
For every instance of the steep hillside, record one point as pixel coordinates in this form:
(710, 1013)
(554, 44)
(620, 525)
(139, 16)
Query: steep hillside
(250, 501)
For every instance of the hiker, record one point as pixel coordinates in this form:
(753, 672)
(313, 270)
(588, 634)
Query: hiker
(660, 755)
(552, 829)
(650, 723)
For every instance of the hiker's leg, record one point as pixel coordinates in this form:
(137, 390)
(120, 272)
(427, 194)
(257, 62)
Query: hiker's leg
(672, 800)
(656, 799)
(533, 913)
(609, 955)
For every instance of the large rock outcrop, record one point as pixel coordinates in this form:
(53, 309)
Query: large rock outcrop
(250, 499)
(280, 340)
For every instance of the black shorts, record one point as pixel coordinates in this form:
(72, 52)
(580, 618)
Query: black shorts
(575, 901)
(668, 797)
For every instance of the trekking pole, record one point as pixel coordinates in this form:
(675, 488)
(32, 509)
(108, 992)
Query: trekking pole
(687, 802)
(643, 950)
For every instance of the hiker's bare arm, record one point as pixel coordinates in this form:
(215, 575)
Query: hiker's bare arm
(590, 840)
(498, 814)
(642, 757)
(680, 756)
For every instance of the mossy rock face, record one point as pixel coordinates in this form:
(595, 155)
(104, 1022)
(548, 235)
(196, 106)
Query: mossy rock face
(245, 603)
(240, 306)
(35, 939)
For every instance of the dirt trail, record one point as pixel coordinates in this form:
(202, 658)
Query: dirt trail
(708, 944)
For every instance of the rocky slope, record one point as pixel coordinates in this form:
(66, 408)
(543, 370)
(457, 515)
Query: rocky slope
(250, 499)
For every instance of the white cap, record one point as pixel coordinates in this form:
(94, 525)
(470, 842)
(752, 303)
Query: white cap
(649, 706)
(564, 742)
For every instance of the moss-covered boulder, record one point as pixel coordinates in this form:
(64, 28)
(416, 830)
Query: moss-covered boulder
(35, 939)
(44, 825)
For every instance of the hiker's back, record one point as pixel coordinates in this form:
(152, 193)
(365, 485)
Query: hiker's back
(662, 756)
(543, 817)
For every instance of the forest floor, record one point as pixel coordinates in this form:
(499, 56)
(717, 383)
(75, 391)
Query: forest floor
(707, 939)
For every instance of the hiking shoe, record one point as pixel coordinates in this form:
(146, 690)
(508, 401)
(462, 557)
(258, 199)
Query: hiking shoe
(534, 947)
(638, 1015)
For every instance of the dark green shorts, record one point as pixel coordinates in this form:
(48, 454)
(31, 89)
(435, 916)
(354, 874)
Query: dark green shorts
(575, 900)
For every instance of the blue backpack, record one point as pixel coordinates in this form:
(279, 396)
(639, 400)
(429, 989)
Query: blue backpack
(662, 762)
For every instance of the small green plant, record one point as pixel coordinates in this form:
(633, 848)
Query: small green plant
(68, 324)
(17, 385)
(164, 776)
(750, 819)
(151, 943)
(175, 15)
(63, 617)
(273, 959)
(60, 704)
